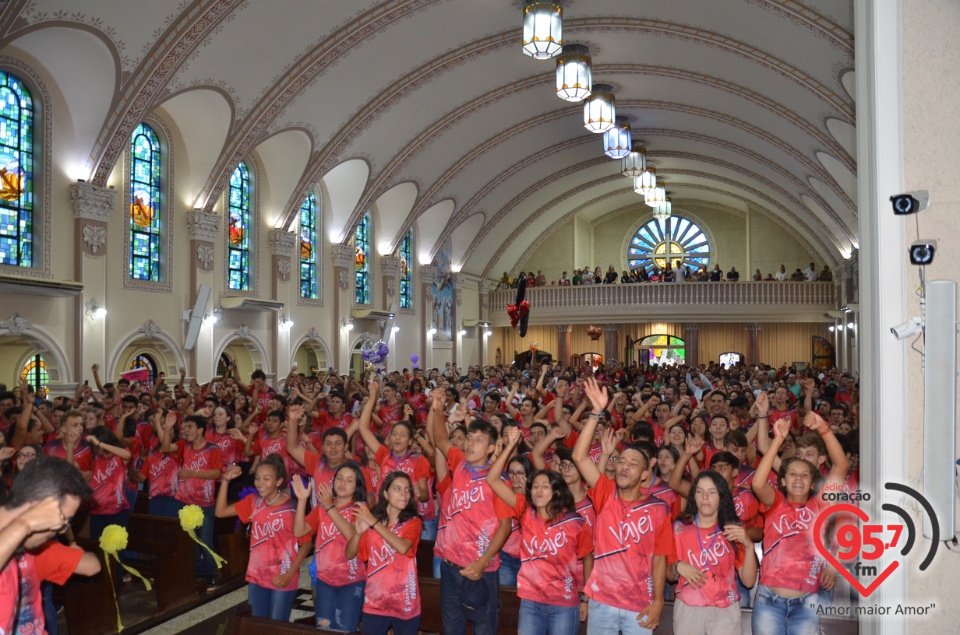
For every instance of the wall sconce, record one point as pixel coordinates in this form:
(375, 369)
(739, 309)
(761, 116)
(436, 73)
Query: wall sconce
(431, 332)
(211, 318)
(94, 311)
(396, 329)
(346, 325)
(285, 322)
(463, 332)
(487, 333)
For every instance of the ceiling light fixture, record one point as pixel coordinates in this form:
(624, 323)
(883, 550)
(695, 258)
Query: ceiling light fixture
(646, 181)
(616, 140)
(600, 109)
(634, 163)
(574, 75)
(542, 29)
(663, 212)
(657, 196)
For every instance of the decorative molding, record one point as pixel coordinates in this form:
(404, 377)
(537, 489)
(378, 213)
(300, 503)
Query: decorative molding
(390, 265)
(458, 279)
(313, 335)
(242, 333)
(343, 256)
(203, 225)
(91, 202)
(391, 285)
(283, 268)
(94, 237)
(150, 329)
(282, 243)
(754, 327)
(17, 325)
(204, 256)
(564, 328)
(691, 326)
(428, 275)
(611, 328)
(343, 279)
(486, 286)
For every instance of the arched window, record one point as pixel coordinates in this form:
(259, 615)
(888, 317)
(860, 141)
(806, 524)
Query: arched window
(406, 271)
(238, 236)
(658, 242)
(147, 363)
(145, 205)
(361, 244)
(16, 173)
(662, 349)
(308, 252)
(35, 372)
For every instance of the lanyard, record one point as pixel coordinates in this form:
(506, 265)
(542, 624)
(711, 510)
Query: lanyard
(716, 535)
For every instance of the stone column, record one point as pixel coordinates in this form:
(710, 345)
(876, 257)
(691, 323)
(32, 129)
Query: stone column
(458, 279)
(283, 247)
(390, 270)
(485, 287)
(611, 343)
(754, 351)
(564, 333)
(204, 231)
(428, 275)
(92, 206)
(344, 266)
(691, 342)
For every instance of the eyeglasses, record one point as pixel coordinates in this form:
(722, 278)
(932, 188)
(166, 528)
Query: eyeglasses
(613, 459)
(516, 474)
(21, 455)
(566, 467)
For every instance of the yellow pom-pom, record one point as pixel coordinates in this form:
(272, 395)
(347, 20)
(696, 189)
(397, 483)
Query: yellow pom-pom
(113, 539)
(191, 517)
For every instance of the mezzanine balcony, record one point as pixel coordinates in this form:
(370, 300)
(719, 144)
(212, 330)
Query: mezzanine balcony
(659, 301)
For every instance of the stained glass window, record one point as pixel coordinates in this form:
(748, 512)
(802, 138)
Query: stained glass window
(662, 349)
(35, 372)
(674, 239)
(361, 244)
(16, 173)
(238, 237)
(145, 210)
(145, 361)
(406, 271)
(308, 243)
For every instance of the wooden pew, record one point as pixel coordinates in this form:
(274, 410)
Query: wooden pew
(425, 559)
(166, 554)
(233, 544)
(88, 602)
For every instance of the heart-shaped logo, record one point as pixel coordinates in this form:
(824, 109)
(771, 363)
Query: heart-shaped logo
(832, 559)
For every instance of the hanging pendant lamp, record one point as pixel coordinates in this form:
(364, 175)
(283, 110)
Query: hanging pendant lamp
(574, 74)
(635, 163)
(600, 109)
(542, 29)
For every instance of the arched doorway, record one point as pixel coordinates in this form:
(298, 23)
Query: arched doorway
(34, 371)
(356, 360)
(730, 359)
(312, 356)
(665, 350)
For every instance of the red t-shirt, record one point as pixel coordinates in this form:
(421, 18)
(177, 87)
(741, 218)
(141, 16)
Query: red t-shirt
(789, 414)
(472, 514)
(263, 399)
(627, 536)
(263, 446)
(393, 588)
(410, 463)
(107, 482)
(160, 470)
(231, 450)
(145, 434)
(389, 415)
(320, 471)
(748, 508)
(707, 550)
(325, 421)
(548, 554)
(512, 546)
(21, 605)
(332, 567)
(82, 454)
(273, 547)
(790, 559)
(418, 401)
(197, 491)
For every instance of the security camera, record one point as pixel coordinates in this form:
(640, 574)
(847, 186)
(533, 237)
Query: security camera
(907, 329)
(910, 202)
(922, 252)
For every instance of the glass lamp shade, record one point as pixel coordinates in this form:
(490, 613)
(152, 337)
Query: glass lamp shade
(646, 181)
(600, 109)
(663, 212)
(657, 197)
(542, 30)
(616, 140)
(574, 76)
(635, 163)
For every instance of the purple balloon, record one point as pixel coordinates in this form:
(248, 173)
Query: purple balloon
(414, 359)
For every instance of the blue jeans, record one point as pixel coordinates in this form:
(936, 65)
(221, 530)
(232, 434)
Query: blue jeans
(509, 568)
(270, 603)
(166, 506)
(49, 608)
(537, 618)
(429, 531)
(605, 619)
(744, 594)
(437, 561)
(776, 615)
(338, 608)
(451, 606)
(381, 624)
(206, 567)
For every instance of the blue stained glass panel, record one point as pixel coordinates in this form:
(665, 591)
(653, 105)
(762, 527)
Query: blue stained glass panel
(406, 271)
(16, 173)
(308, 244)
(238, 231)
(145, 205)
(658, 242)
(362, 259)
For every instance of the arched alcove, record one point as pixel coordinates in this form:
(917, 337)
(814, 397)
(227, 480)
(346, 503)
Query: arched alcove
(21, 339)
(151, 340)
(311, 352)
(246, 350)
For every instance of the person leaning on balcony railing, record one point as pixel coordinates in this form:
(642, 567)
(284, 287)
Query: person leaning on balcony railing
(717, 274)
(826, 275)
(757, 276)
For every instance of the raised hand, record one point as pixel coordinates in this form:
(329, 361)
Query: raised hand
(170, 420)
(236, 434)
(693, 445)
(597, 394)
(301, 491)
(95, 368)
(45, 515)
(365, 518)
(736, 533)
(608, 442)
(6, 453)
(295, 413)
(781, 428)
(763, 404)
(513, 436)
(232, 472)
(813, 421)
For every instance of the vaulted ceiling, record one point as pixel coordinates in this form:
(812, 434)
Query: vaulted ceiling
(428, 110)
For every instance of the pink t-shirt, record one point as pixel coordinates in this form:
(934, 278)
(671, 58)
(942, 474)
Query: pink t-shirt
(231, 450)
(706, 549)
(160, 469)
(107, 482)
(332, 567)
(21, 604)
(548, 554)
(197, 491)
(392, 587)
(472, 512)
(627, 536)
(790, 559)
(273, 547)
(82, 454)
(512, 546)
(264, 446)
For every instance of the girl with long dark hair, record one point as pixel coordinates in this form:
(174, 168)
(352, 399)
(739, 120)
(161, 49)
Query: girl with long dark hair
(386, 538)
(713, 548)
(519, 473)
(554, 537)
(339, 584)
(110, 504)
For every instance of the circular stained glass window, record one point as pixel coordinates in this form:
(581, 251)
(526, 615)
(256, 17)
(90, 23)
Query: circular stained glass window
(674, 239)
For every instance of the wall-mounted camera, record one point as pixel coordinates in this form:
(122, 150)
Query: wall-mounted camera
(922, 252)
(910, 202)
(907, 329)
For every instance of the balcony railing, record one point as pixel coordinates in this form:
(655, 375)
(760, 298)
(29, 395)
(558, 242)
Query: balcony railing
(704, 301)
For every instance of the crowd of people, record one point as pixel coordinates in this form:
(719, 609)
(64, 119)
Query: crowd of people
(678, 272)
(600, 493)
